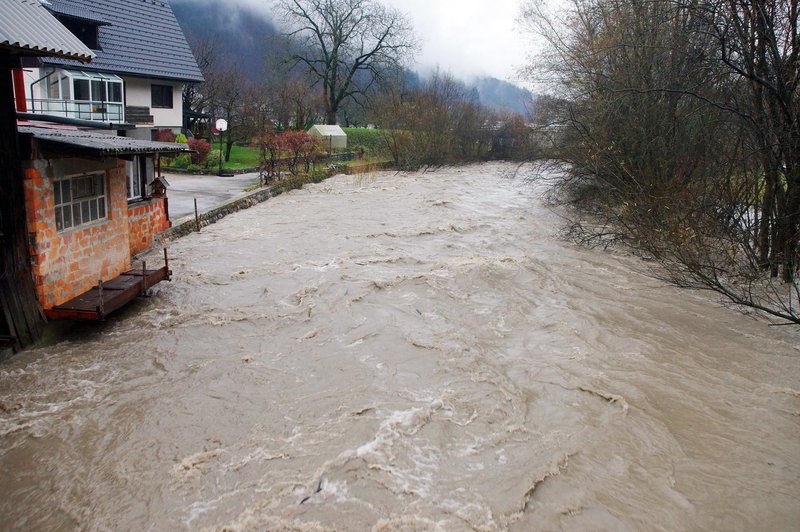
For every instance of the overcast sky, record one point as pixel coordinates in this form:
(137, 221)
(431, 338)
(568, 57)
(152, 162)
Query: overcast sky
(468, 37)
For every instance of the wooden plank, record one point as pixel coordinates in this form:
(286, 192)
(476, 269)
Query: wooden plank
(123, 282)
(114, 294)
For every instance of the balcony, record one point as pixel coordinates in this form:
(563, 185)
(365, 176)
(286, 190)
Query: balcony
(81, 109)
(79, 95)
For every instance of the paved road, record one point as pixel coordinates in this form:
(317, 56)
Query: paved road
(209, 190)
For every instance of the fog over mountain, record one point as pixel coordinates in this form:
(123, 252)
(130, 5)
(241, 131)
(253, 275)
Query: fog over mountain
(243, 29)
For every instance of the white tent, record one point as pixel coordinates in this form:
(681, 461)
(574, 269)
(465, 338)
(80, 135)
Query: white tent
(333, 137)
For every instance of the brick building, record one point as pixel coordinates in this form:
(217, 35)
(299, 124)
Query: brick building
(82, 226)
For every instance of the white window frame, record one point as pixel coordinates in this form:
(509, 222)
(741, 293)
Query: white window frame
(98, 106)
(88, 207)
(139, 173)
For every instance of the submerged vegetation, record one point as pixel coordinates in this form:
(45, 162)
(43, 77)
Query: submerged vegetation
(679, 124)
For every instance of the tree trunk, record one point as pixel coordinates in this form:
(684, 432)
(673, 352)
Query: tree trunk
(228, 146)
(767, 217)
(330, 117)
(21, 318)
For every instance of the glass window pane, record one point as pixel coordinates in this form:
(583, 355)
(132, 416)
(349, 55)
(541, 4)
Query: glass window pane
(98, 91)
(115, 92)
(66, 191)
(79, 200)
(65, 88)
(81, 89)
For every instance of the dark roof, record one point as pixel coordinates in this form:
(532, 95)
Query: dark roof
(142, 38)
(60, 7)
(98, 142)
(27, 28)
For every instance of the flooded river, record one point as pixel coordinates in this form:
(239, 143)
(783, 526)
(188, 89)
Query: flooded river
(405, 352)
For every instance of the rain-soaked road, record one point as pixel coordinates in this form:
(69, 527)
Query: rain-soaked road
(405, 352)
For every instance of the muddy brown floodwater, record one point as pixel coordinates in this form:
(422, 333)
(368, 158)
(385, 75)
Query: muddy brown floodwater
(405, 352)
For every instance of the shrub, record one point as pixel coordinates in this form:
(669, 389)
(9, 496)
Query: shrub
(181, 138)
(164, 135)
(182, 161)
(213, 158)
(201, 148)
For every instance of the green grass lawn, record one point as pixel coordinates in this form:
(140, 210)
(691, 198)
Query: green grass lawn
(369, 139)
(241, 157)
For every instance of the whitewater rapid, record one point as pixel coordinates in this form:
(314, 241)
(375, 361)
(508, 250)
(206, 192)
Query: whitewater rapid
(405, 351)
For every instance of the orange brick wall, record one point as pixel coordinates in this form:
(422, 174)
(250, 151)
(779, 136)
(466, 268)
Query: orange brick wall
(70, 262)
(146, 219)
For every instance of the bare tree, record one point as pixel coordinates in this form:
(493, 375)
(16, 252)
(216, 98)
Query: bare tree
(680, 124)
(228, 86)
(347, 45)
(197, 96)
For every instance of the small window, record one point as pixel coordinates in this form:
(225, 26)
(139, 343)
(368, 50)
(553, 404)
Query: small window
(136, 173)
(79, 200)
(161, 96)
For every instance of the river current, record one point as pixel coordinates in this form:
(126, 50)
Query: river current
(405, 352)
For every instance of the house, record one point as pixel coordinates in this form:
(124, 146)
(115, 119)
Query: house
(134, 83)
(331, 137)
(86, 171)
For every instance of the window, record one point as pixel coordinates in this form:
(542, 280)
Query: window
(115, 92)
(82, 90)
(139, 172)
(161, 96)
(79, 200)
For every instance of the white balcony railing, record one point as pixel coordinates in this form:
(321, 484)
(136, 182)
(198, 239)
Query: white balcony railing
(82, 110)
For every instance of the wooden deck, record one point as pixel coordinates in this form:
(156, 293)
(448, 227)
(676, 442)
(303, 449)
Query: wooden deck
(105, 298)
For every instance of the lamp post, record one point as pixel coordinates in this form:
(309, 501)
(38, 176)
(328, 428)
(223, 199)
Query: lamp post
(222, 125)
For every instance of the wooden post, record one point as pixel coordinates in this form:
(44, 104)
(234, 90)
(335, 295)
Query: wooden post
(196, 215)
(21, 315)
(100, 310)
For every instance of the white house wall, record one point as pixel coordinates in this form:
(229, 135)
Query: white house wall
(138, 94)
